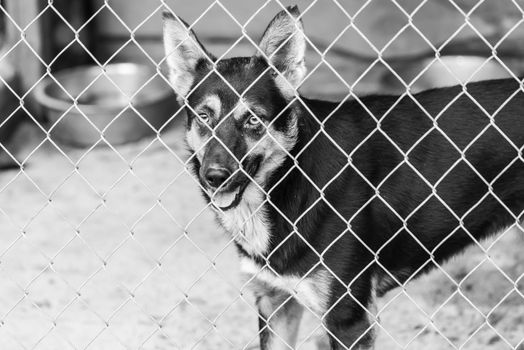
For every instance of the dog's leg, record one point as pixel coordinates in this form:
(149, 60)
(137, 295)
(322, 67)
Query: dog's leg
(350, 332)
(279, 320)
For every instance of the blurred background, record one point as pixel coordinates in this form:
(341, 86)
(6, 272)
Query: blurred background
(105, 242)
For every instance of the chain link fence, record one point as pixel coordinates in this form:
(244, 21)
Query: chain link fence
(112, 247)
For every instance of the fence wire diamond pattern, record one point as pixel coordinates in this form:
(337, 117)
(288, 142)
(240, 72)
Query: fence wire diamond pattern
(111, 247)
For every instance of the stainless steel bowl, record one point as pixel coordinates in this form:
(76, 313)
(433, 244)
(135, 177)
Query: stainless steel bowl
(447, 71)
(127, 102)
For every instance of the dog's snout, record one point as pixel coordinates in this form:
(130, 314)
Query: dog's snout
(216, 176)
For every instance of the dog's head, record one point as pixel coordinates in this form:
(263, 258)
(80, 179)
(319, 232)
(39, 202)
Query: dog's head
(241, 121)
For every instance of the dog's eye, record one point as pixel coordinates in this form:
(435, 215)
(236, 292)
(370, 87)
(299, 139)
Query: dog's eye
(204, 118)
(253, 121)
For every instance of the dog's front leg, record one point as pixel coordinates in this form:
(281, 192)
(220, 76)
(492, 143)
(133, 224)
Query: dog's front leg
(350, 327)
(279, 319)
(352, 335)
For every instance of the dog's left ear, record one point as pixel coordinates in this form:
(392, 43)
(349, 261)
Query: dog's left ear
(284, 45)
(184, 53)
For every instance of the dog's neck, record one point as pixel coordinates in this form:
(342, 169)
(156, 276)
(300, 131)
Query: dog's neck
(247, 223)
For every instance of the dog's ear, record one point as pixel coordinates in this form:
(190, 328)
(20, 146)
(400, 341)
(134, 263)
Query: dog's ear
(284, 45)
(184, 53)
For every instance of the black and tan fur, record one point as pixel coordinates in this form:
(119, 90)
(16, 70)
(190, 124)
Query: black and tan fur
(331, 204)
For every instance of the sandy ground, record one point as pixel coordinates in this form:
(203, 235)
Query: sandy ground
(115, 249)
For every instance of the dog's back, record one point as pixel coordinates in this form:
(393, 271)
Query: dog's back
(427, 174)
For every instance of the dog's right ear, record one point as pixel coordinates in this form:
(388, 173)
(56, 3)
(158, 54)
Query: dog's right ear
(184, 53)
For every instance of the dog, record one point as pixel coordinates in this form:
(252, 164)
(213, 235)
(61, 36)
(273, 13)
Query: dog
(333, 204)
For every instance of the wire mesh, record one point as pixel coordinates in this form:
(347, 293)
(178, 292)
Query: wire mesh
(108, 247)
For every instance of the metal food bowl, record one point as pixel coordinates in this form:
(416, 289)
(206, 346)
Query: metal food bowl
(104, 100)
(446, 71)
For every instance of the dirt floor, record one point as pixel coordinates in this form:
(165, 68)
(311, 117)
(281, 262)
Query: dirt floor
(115, 248)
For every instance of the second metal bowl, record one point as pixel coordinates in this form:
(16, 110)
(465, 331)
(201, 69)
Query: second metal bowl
(446, 71)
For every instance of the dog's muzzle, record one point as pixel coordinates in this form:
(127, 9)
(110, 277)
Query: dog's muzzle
(224, 189)
(215, 176)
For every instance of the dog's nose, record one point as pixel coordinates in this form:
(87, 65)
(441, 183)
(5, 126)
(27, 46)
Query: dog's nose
(216, 176)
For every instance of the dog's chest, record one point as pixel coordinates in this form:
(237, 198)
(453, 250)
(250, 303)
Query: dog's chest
(247, 224)
(311, 290)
